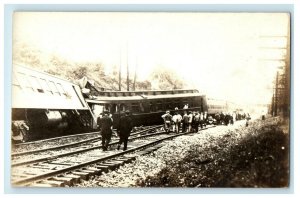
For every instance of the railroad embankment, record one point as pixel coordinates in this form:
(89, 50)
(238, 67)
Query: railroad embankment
(225, 156)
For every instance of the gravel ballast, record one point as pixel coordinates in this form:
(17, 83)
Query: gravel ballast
(225, 156)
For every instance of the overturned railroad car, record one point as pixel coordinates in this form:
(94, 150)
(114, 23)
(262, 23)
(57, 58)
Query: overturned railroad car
(44, 105)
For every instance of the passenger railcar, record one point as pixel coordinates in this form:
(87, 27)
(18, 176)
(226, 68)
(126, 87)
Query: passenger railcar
(46, 106)
(147, 107)
(216, 106)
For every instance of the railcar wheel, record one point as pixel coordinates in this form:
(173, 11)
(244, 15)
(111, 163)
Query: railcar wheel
(25, 135)
(20, 131)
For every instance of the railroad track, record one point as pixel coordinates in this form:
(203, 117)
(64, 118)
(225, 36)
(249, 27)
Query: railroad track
(72, 148)
(19, 148)
(69, 168)
(58, 142)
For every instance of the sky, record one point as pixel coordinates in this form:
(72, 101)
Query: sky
(223, 55)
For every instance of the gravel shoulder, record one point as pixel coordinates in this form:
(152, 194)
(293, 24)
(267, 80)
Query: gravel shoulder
(225, 156)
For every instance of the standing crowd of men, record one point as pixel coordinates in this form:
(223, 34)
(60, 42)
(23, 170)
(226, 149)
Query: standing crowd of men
(190, 121)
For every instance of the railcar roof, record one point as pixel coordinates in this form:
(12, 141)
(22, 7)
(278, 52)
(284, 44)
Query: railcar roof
(153, 90)
(150, 97)
(34, 70)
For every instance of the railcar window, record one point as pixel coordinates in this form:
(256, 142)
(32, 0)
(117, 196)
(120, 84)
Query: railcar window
(197, 101)
(54, 88)
(108, 107)
(114, 108)
(35, 83)
(61, 89)
(25, 82)
(142, 107)
(122, 107)
(97, 109)
(135, 107)
(159, 106)
(152, 107)
(190, 102)
(45, 86)
(15, 81)
(184, 102)
(168, 105)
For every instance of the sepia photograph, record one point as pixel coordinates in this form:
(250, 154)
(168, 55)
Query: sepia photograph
(150, 99)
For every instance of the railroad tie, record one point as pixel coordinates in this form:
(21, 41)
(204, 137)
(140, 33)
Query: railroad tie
(41, 185)
(67, 180)
(103, 168)
(117, 162)
(83, 175)
(76, 178)
(111, 166)
(143, 152)
(52, 183)
(95, 170)
(129, 158)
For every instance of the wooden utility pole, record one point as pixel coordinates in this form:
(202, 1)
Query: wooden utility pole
(127, 71)
(276, 95)
(120, 73)
(273, 104)
(287, 90)
(134, 80)
(280, 63)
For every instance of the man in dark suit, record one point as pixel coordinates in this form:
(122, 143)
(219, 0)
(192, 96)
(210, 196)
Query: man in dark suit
(105, 124)
(125, 127)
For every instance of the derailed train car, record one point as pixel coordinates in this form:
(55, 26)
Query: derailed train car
(46, 106)
(147, 107)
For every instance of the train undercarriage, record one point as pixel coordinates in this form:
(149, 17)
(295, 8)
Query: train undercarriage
(35, 124)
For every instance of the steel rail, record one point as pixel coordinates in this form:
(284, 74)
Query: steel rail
(74, 144)
(79, 151)
(63, 170)
(56, 172)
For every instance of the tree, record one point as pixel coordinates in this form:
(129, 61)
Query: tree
(165, 78)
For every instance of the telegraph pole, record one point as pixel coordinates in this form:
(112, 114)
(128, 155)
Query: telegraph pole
(120, 73)
(273, 104)
(134, 80)
(279, 98)
(127, 71)
(276, 95)
(286, 110)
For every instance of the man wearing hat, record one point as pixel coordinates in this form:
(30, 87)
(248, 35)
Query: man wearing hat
(167, 121)
(105, 124)
(124, 129)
